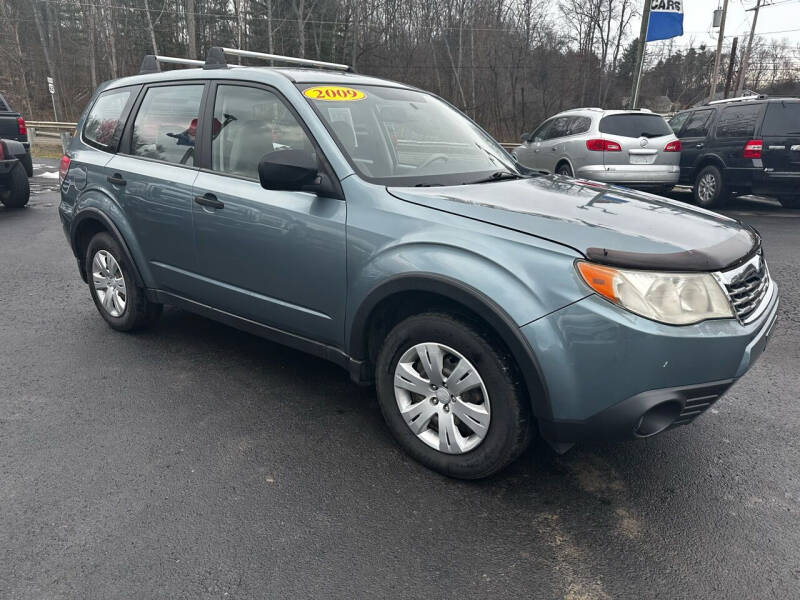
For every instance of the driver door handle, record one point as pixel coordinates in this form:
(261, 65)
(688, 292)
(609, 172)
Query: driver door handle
(209, 200)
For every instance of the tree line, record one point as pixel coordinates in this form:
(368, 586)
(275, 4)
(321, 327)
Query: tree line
(507, 63)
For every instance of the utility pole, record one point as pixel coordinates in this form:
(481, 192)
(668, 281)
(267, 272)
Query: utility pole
(637, 72)
(730, 66)
(746, 56)
(715, 72)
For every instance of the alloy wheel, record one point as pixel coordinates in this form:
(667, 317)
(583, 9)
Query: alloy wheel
(442, 398)
(109, 283)
(707, 188)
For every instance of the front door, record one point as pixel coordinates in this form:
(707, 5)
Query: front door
(275, 257)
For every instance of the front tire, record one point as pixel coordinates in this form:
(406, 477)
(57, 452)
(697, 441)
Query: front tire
(452, 396)
(112, 285)
(709, 189)
(19, 191)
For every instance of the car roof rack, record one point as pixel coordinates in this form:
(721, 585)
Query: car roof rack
(738, 99)
(215, 59)
(151, 63)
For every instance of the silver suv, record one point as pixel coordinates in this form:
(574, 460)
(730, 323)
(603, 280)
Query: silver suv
(633, 148)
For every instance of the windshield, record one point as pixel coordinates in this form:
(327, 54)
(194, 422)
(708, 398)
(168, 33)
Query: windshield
(401, 137)
(635, 125)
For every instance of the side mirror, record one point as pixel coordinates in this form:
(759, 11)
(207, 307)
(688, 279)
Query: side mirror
(525, 137)
(288, 170)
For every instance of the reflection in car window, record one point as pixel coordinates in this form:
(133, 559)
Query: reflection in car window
(580, 125)
(248, 124)
(738, 121)
(166, 124)
(698, 124)
(560, 128)
(397, 136)
(104, 117)
(541, 134)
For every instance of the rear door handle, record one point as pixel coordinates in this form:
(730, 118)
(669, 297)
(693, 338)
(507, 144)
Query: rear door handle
(209, 200)
(116, 179)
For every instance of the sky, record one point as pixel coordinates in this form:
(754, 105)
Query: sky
(776, 20)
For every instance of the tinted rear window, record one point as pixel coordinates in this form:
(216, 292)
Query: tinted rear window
(635, 125)
(783, 118)
(738, 121)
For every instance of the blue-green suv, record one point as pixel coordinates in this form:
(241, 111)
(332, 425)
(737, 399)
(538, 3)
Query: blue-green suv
(372, 224)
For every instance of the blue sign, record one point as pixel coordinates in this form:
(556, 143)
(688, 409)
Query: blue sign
(666, 20)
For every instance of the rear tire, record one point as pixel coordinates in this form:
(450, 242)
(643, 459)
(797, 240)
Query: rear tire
(709, 189)
(19, 191)
(113, 287)
(466, 451)
(789, 201)
(27, 162)
(564, 170)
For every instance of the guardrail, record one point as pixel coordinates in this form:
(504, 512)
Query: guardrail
(51, 129)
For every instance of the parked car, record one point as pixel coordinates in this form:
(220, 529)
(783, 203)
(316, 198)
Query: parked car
(13, 127)
(15, 158)
(747, 145)
(632, 148)
(373, 225)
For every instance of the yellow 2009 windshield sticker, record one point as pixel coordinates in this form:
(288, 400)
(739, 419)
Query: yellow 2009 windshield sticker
(333, 93)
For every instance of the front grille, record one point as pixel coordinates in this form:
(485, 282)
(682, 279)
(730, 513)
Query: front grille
(747, 286)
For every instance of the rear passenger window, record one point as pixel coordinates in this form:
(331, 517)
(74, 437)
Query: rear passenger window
(249, 123)
(104, 118)
(783, 118)
(697, 125)
(560, 128)
(166, 124)
(738, 121)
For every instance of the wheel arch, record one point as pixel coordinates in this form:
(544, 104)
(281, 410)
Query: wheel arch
(566, 160)
(404, 295)
(707, 160)
(86, 224)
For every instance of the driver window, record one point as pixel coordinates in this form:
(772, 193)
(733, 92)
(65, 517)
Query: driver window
(166, 124)
(249, 123)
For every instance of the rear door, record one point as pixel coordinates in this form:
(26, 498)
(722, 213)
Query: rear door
(152, 177)
(642, 138)
(693, 141)
(781, 154)
(735, 127)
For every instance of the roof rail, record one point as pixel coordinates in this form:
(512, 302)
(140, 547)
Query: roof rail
(215, 59)
(151, 63)
(739, 99)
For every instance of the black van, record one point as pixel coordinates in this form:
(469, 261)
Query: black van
(745, 145)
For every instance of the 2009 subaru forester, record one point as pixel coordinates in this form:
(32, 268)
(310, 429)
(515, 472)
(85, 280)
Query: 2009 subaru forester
(372, 224)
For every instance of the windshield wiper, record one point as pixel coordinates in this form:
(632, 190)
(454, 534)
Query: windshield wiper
(498, 176)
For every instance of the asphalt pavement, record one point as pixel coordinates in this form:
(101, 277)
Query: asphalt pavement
(196, 461)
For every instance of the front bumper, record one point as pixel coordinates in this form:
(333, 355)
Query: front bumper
(613, 375)
(643, 175)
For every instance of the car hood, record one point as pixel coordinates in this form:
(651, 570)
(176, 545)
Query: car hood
(607, 224)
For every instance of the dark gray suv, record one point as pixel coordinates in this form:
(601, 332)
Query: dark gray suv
(372, 224)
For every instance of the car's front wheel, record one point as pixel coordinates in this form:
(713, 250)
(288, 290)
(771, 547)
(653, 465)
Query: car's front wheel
(119, 300)
(452, 396)
(709, 188)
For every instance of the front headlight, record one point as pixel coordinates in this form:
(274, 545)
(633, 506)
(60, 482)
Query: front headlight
(673, 298)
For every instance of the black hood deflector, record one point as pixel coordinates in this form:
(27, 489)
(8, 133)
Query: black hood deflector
(726, 255)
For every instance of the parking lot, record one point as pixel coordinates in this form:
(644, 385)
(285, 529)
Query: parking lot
(197, 461)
